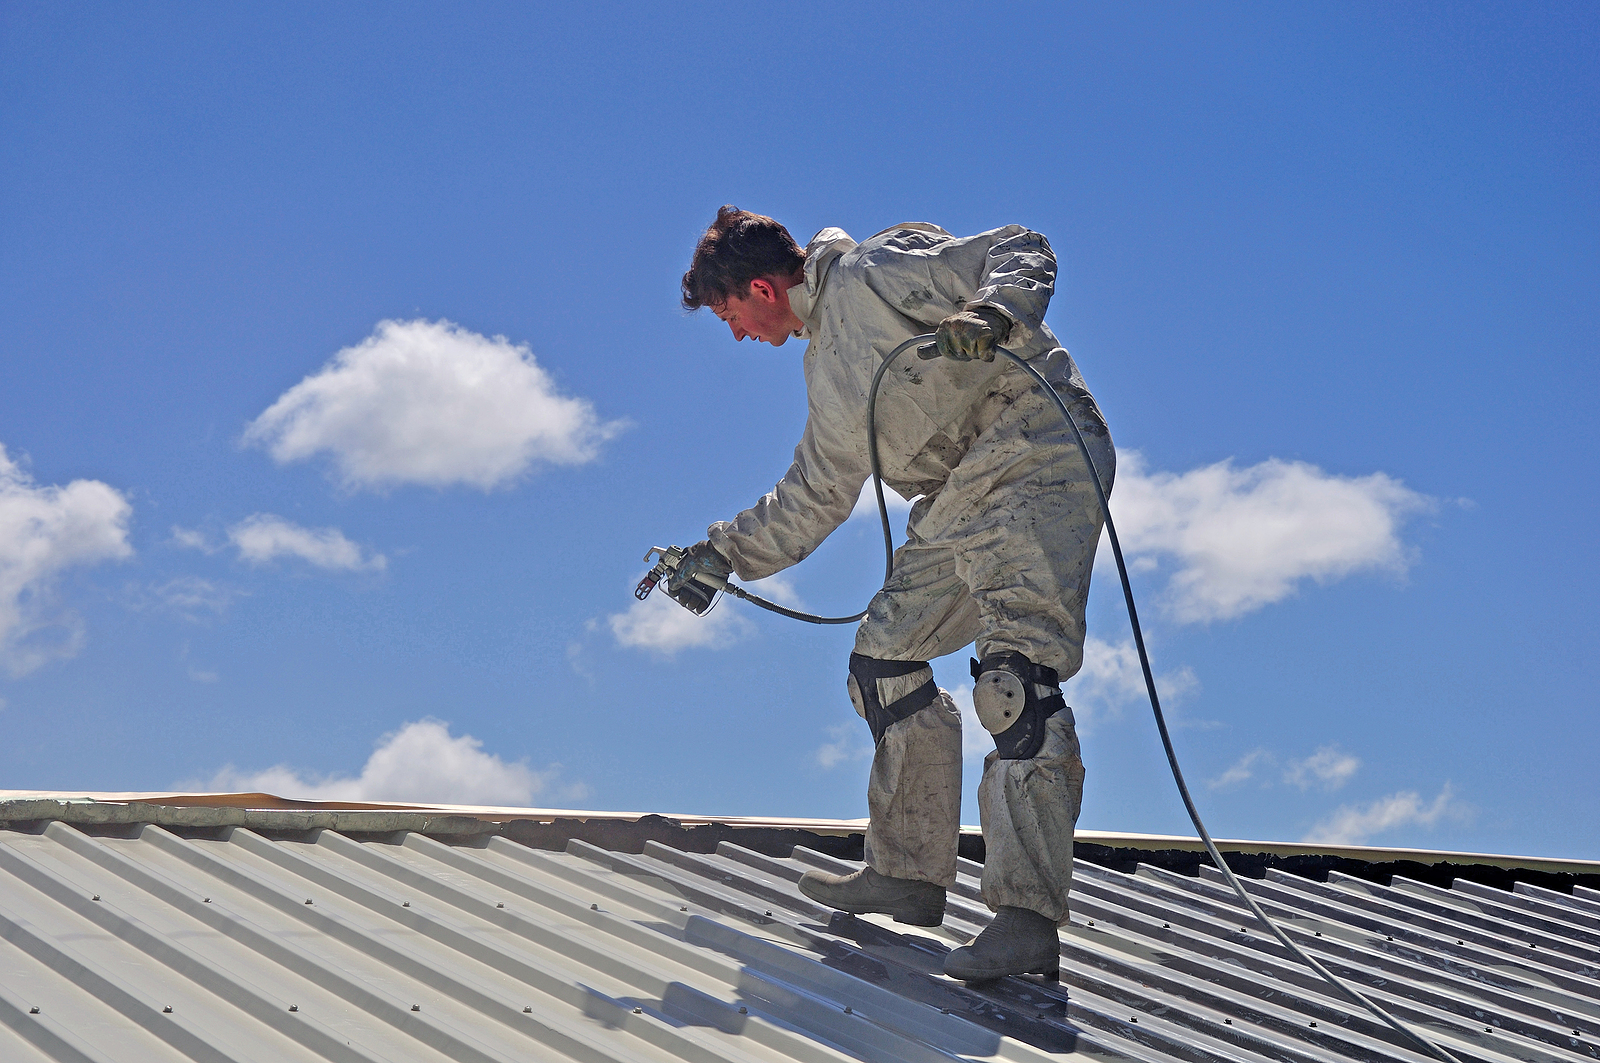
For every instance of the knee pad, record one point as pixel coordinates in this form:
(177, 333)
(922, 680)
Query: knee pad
(864, 675)
(1014, 698)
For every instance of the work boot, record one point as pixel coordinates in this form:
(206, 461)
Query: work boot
(1018, 941)
(909, 900)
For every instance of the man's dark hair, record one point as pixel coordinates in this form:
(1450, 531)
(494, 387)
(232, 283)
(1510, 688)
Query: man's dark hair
(738, 248)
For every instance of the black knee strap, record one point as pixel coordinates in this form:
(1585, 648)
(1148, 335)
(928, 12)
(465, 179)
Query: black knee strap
(867, 672)
(1023, 739)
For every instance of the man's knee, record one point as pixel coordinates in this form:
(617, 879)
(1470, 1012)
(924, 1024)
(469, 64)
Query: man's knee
(1014, 700)
(886, 692)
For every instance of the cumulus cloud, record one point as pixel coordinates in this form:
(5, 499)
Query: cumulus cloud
(262, 537)
(849, 742)
(1241, 771)
(191, 597)
(192, 539)
(420, 763)
(429, 402)
(867, 504)
(1356, 824)
(663, 627)
(1327, 769)
(1244, 538)
(1111, 677)
(43, 532)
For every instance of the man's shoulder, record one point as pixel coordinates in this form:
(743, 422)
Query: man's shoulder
(907, 234)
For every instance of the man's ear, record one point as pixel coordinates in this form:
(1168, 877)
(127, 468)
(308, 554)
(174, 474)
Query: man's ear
(763, 289)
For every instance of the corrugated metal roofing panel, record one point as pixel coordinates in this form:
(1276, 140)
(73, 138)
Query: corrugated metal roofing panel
(149, 943)
(255, 810)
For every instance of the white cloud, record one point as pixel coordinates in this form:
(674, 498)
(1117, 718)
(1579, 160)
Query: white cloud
(1245, 538)
(192, 539)
(1241, 771)
(192, 597)
(1356, 824)
(850, 742)
(975, 741)
(262, 537)
(419, 763)
(867, 504)
(429, 402)
(1111, 677)
(663, 627)
(1328, 769)
(43, 532)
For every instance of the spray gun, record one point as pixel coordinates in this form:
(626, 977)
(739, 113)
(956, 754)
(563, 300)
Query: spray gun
(694, 592)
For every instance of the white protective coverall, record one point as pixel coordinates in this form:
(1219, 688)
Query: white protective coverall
(1000, 544)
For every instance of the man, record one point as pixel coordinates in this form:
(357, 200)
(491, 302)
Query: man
(999, 546)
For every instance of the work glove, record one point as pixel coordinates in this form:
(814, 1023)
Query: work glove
(972, 334)
(702, 557)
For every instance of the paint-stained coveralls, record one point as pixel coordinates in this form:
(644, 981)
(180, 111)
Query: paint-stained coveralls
(999, 546)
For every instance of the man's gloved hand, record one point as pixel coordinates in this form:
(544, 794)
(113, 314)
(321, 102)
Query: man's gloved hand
(702, 557)
(973, 334)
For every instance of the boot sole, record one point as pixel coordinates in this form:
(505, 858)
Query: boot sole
(910, 917)
(1050, 974)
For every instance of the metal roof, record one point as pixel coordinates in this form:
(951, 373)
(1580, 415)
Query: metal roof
(141, 942)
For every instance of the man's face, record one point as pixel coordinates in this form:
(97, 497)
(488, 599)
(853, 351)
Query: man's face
(761, 314)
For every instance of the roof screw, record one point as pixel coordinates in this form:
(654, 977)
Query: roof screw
(1460, 942)
(1313, 1026)
(1091, 922)
(416, 1007)
(208, 900)
(847, 1010)
(1319, 933)
(638, 1011)
(502, 904)
(745, 1011)
(1227, 1022)
(35, 1010)
(1166, 926)
(594, 907)
(527, 1011)
(1533, 944)
(308, 900)
(1488, 1029)
(1133, 1018)
(97, 896)
(407, 904)
(769, 911)
(1388, 937)
(167, 1010)
(683, 907)
(294, 1007)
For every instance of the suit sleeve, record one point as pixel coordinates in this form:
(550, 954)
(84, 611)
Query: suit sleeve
(1017, 277)
(814, 497)
(926, 275)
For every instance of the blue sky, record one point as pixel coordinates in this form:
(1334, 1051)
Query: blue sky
(1330, 271)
